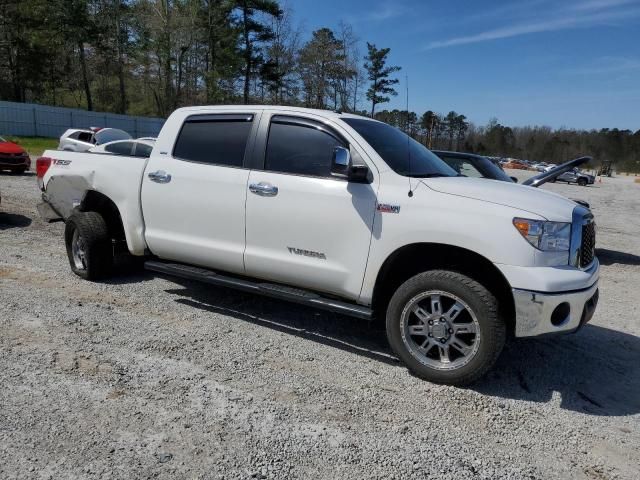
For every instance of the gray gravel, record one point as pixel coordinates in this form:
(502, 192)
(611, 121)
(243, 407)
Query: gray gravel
(145, 377)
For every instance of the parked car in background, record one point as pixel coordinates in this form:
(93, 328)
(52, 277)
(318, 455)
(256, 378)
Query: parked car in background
(13, 157)
(132, 148)
(471, 165)
(81, 140)
(576, 176)
(515, 165)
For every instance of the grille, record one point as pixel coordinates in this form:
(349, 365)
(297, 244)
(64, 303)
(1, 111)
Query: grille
(588, 249)
(12, 159)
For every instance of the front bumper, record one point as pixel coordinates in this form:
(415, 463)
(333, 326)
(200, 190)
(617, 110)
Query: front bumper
(541, 313)
(9, 163)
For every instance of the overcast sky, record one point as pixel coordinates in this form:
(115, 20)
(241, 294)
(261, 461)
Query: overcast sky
(573, 63)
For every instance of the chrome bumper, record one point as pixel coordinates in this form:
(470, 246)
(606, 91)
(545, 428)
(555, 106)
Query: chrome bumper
(544, 313)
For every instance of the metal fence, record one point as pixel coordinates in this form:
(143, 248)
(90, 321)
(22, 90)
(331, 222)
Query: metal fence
(31, 120)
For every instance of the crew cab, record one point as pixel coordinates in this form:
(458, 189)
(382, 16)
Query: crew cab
(339, 212)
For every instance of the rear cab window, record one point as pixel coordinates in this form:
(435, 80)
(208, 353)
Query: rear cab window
(119, 148)
(215, 139)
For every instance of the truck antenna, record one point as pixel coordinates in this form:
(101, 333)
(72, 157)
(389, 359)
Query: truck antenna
(406, 126)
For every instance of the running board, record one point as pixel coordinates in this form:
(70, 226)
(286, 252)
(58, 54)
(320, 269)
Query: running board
(281, 292)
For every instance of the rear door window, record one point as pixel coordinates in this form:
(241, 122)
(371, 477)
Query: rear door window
(85, 137)
(214, 139)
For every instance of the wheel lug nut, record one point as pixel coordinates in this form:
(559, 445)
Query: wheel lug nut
(431, 334)
(451, 330)
(442, 340)
(430, 322)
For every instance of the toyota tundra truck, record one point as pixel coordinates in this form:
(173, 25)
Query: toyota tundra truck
(338, 212)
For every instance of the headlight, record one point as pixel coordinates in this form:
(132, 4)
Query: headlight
(545, 236)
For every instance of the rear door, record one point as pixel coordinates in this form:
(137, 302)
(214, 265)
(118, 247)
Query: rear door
(305, 227)
(193, 197)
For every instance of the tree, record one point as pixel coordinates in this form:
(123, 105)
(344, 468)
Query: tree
(253, 33)
(320, 64)
(461, 129)
(378, 74)
(451, 126)
(428, 124)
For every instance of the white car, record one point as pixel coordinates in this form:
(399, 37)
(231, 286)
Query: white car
(329, 210)
(81, 140)
(140, 147)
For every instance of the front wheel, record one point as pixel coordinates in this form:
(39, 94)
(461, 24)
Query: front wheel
(89, 245)
(445, 327)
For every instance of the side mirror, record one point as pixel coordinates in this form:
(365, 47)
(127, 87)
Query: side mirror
(341, 161)
(342, 165)
(515, 180)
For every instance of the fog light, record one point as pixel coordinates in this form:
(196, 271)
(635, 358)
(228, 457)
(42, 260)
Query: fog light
(560, 314)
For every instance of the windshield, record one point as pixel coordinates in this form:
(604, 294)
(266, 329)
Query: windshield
(2, 140)
(402, 153)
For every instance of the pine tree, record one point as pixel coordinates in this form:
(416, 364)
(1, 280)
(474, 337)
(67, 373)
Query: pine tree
(381, 84)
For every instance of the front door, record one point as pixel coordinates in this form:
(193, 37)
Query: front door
(193, 198)
(305, 227)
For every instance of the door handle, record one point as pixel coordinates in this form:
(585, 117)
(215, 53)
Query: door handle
(160, 176)
(263, 189)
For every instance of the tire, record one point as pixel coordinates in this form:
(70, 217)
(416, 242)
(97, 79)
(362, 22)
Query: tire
(477, 328)
(582, 182)
(20, 171)
(89, 247)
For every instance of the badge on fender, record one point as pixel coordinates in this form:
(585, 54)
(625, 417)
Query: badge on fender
(387, 208)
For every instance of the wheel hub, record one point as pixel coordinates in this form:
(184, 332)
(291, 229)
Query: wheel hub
(440, 330)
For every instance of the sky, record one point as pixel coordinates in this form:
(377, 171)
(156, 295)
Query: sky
(561, 63)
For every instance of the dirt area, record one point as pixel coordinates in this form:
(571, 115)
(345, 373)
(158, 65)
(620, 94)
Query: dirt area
(144, 377)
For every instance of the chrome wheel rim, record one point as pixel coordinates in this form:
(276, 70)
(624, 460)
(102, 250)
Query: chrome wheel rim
(440, 330)
(78, 251)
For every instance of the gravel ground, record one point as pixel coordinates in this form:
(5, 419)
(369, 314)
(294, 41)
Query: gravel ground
(145, 377)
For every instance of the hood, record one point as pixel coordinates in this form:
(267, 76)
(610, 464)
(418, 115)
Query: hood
(544, 177)
(106, 135)
(10, 147)
(549, 205)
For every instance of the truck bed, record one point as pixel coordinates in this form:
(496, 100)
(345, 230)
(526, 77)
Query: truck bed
(73, 174)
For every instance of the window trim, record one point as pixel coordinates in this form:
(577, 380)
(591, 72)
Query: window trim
(304, 122)
(222, 117)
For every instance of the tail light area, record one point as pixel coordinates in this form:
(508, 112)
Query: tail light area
(42, 165)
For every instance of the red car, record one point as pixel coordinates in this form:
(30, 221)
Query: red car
(13, 157)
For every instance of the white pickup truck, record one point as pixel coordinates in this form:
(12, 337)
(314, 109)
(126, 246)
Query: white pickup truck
(339, 212)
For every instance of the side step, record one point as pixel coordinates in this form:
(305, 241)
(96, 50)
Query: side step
(282, 292)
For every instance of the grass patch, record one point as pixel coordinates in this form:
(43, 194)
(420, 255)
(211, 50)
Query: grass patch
(34, 145)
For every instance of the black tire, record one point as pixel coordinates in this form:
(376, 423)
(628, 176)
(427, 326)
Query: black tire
(92, 231)
(20, 171)
(582, 182)
(492, 329)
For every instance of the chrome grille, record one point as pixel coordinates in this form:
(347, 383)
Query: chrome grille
(588, 244)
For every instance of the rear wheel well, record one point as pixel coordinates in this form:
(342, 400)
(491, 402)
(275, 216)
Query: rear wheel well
(412, 259)
(100, 203)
